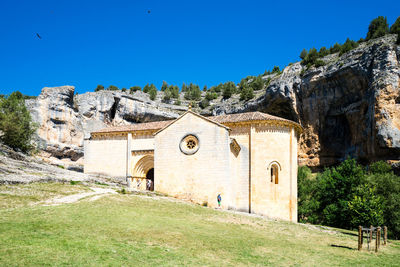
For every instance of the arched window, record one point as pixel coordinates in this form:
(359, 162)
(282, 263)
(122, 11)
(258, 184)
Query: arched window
(274, 174)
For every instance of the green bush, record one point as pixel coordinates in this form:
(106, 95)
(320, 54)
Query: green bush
(193, 92)
(153, 93)
(99, 88)
(211, 96)
(229, 88)
(204, 103)
(395, 29)
(307, 203)
(377, 28)
(112, 88)
(134, 89)
(16, 124)
(347, 46)
(303, 54)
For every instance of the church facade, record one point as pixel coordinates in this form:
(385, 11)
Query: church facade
(248, 159)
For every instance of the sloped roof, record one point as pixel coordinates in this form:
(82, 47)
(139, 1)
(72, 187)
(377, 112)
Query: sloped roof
(247, 116)
(220, 120)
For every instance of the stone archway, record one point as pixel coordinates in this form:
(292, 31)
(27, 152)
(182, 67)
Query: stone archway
(144, 171)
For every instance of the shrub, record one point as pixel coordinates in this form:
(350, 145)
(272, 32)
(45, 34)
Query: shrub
(164, 86)
(193, 92)
(153, 92)
(134, 89)
(395, 28)
(16, 124)
(205, 88)
(336, 48)
(211, 96)
(112, 88)
(123, 89)
(257, 83)
(347, 46)
(303, 54)
(246, 93)
(229, 88)
(99, 88)
(377, 28)
(323, 52)
(204, 103)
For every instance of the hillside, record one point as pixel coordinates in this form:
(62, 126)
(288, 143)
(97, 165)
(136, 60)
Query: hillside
(349, 106)
(122, 230)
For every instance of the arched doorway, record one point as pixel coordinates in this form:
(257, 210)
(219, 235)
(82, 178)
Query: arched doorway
(150, 180)
(143, 173)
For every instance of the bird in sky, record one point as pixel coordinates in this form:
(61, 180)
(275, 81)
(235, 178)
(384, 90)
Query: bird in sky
(38, 36)
(148, 11)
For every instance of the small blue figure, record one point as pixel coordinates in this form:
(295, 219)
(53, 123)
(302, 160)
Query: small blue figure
(219, 200)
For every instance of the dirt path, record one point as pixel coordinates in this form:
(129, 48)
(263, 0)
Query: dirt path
(96, 192)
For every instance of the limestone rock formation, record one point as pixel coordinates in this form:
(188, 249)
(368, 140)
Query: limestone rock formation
(348, 107)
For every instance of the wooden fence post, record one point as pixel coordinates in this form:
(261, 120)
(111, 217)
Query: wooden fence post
(360, 237)
(384, 235)
(371, 230)
(378, 236)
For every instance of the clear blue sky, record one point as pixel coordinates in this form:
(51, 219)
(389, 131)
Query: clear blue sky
(85, 43)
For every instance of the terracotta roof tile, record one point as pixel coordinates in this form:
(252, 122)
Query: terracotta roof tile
(222, 119)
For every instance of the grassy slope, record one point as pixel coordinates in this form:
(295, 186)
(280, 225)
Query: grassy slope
(136, 230)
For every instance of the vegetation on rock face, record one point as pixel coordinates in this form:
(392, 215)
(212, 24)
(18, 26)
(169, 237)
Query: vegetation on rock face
(395, 29)
(99, 88)
(377, 28)
(350, 195)
(134, 89)
(16, 126)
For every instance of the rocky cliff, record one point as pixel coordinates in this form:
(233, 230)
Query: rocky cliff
(349, 107)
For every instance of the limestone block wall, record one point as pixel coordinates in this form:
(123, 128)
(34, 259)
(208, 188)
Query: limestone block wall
(199, 177)
(106, 155)
(240, 168)
(273, 144)
(142, 142)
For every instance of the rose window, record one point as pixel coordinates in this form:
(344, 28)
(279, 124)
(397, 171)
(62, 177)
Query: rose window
(189, 144)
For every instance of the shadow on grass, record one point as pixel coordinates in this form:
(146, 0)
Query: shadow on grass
(348, 233)
(338, 246)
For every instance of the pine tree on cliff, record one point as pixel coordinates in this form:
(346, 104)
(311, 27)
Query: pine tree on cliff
(396, 29)
(377, 28)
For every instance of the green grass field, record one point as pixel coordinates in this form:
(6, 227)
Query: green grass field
(134, 230)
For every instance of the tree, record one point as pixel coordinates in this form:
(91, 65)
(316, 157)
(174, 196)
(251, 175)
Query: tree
(134, 89)
(366, 208)
(347, 46)
(123, 89)
(334, 189)
(205, 88)
(16, 126)
(395, 28)
(246, 93)
(184, 87)
(204, 103)
(307, 203)
(99, 88)
(276, 70)
(323, 52)
(303, 54)
(153, 92)
(164, 86)
(336, 48)
(257, 83)
(146, 88)
(112, 88)
(193, 92)
(377, 28)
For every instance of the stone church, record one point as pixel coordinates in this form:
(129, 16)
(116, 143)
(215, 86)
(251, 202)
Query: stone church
(249, 159)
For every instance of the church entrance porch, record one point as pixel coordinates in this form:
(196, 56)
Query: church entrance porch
(150, 180)
(143, 173)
